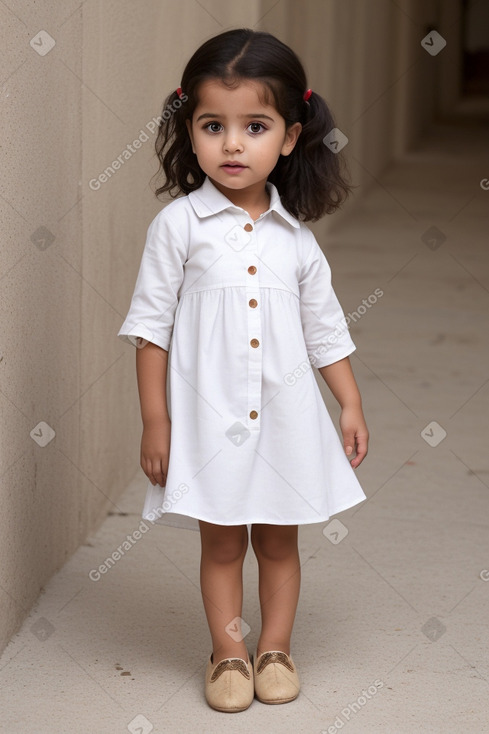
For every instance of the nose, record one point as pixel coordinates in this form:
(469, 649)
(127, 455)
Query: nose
(232, 142)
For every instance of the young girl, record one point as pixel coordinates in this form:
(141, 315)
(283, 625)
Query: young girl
(234, 295)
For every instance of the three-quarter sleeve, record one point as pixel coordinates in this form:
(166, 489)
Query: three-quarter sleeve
(155, 298)
(323, 322)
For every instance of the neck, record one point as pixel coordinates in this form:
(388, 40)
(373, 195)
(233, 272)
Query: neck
(253, 199)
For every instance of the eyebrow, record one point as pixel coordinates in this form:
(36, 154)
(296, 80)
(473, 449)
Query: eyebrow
(212, 115)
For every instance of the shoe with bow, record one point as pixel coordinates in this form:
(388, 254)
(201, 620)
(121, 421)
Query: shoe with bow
(229, 684)
(276, 677)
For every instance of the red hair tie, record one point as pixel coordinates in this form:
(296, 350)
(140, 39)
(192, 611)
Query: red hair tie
(307, 94)
(179, 92)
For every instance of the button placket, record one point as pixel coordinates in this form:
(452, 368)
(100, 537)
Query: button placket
(254, 329)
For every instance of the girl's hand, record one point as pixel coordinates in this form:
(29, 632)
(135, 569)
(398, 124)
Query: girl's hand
(355, 434)
(155, 451)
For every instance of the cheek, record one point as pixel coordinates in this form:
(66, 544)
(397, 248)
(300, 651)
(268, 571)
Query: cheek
(203, 142)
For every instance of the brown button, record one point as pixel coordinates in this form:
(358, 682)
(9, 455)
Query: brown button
(252, 270)
(255, 343)
(253, 414)
(253, 303)
(248, 227)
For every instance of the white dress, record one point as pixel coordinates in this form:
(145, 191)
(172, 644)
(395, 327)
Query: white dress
(244, 308)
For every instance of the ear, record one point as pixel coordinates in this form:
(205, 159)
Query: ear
(189, 128)
(291, 136)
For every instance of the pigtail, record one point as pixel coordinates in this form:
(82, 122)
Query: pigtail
(311, 179)
(174, 149)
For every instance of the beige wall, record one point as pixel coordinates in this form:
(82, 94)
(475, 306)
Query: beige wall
(68, 115)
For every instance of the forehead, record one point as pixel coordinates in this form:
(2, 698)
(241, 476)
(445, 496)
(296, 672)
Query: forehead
(214, 94)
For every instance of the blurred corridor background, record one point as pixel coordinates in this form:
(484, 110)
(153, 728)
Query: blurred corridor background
(402, 598)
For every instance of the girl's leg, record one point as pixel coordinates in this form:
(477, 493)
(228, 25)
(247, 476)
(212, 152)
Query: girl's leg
(278, 559)
(221, 582)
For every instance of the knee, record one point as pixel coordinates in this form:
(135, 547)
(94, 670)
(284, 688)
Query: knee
(274, 546)
(226, 547)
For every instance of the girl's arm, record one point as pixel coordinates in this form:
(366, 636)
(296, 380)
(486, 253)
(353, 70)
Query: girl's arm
(340, 380)
(151, 367)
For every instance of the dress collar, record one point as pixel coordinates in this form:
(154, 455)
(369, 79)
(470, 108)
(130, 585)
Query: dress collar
(208, 200)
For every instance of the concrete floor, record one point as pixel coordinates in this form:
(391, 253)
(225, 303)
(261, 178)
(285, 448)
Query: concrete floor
(397, 608)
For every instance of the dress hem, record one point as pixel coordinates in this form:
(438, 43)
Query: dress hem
(162, 519)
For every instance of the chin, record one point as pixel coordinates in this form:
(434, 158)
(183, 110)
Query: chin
(229, 183)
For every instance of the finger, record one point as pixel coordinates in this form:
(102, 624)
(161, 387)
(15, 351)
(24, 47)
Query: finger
(150, 468)
(160, 475)
(361, 450)
(143, 464)
(348, 442)
(158, 472)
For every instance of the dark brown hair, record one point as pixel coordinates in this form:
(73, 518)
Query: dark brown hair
(309, 180)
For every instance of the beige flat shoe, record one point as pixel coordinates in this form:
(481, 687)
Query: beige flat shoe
(276, 677)
(229, 684)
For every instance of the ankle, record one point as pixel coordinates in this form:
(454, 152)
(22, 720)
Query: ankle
(268, 647)
(224, 653)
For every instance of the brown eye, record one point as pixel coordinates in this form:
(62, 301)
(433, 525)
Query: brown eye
(256, 127)
(211, 126)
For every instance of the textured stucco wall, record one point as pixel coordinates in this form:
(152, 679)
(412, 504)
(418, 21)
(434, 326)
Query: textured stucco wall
(44, 496)
(71, 247)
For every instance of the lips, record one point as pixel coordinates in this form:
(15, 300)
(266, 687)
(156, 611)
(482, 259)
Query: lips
(233, 167)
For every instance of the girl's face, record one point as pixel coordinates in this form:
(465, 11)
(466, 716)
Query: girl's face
(236, 138)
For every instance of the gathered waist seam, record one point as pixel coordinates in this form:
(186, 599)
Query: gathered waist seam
(242, 287)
